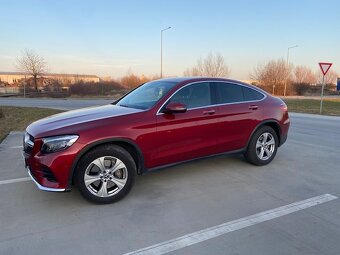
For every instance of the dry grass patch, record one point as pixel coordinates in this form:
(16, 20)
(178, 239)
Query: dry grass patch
(330, 106)
(18, 118)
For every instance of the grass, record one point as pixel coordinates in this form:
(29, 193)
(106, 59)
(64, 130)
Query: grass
(18, 118)
(330, 106)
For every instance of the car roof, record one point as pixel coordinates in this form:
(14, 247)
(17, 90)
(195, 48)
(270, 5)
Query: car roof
(199, 78)
(182, 81)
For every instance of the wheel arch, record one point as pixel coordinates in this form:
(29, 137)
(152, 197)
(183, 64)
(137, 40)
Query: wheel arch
(125, 143)
(274, 124)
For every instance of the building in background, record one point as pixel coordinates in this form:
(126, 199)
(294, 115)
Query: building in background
(66, 79)
(106, 78)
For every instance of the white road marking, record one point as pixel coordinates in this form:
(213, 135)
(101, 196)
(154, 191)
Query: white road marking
(16, 147)
(209, 233)
(25, 179)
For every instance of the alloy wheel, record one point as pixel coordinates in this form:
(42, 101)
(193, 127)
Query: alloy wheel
(265, 146)
(105, 176)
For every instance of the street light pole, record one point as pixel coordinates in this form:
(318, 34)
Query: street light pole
(284, 92)
(25, 86)
(162, 49)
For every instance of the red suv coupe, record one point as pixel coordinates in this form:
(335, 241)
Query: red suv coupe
(158, 124)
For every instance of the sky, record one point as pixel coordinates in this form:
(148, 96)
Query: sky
(111, 38)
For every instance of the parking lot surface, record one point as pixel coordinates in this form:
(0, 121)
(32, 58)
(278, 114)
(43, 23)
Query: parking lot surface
(186, 199)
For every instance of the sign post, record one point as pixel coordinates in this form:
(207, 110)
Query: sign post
(324, 69)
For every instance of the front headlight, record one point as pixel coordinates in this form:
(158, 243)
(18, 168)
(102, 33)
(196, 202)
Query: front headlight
(57, 143)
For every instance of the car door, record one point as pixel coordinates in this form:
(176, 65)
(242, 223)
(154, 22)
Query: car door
(237, 115)
(185, 136)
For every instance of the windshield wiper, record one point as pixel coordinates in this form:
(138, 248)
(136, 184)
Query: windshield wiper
(133, 106)
(124, 105)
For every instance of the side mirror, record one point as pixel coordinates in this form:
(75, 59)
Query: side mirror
(174, 107)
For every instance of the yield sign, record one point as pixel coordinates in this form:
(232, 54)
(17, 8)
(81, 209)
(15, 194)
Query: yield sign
(325, 67)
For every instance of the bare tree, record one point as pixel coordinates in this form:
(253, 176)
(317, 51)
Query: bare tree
(131, 80)
(32, 64)
(330, 77)
(212, 66)
(305, 75)
(272, 75)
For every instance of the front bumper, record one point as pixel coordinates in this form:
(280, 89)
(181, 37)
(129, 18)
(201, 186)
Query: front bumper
(40, 186)
(51, 172)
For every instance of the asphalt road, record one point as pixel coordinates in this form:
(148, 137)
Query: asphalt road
(188, 198)
(62, 104)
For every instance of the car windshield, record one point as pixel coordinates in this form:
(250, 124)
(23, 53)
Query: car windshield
(147, 95)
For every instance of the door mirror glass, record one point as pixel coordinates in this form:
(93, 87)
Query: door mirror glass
(175, 107)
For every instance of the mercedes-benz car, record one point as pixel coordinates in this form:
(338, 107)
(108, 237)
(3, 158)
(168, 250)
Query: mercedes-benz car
(158, 124)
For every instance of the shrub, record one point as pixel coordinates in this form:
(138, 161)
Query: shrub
(91, 88)
(305, 89)
(132, 81)
(301, 88)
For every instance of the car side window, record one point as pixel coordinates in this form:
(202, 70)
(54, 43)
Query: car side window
(228, 93)
(193, 96)
(251, 94)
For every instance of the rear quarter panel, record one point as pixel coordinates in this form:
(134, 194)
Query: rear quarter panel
(275, 109)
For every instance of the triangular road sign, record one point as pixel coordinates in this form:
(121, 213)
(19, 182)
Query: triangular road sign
(325, 67)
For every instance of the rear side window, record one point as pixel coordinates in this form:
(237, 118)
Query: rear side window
(232, 93)
(193, 96)
(251, 94)
(228, 93)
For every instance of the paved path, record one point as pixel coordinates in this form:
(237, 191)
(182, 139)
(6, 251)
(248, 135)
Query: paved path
(62, 104)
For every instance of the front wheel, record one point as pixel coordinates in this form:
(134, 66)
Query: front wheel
(105, 174)
(262, 147)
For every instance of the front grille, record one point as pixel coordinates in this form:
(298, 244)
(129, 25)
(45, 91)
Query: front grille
(28, 143)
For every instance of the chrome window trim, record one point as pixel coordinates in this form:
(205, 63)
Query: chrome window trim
(235, 83)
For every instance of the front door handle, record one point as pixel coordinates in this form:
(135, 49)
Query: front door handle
(253, 107)
(208, 112)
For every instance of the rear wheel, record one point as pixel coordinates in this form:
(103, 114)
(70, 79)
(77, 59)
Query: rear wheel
(262, 147)
(106, 174)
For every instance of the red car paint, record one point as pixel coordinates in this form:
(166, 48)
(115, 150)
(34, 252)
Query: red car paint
(155, 139)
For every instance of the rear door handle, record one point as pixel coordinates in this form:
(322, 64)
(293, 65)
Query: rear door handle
(208, 112)
(253, 107)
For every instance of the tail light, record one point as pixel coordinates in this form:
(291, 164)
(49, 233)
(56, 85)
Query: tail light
(284, 107)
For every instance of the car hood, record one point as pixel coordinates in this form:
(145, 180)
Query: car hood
(55, 122)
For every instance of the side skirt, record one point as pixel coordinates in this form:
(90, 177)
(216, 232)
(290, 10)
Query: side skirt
(240, 151)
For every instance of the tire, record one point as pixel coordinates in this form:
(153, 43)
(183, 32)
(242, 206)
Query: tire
(262, 147)
(105, 174)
